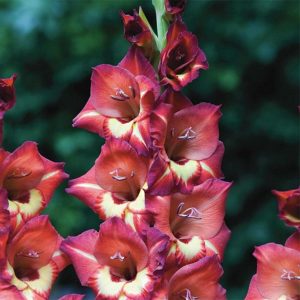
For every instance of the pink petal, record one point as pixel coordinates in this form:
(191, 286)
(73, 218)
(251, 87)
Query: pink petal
(80, 250)
(9, 291)
(114, 92)
(294, 241)
(253, 292)
(199, 279)
(72, 297)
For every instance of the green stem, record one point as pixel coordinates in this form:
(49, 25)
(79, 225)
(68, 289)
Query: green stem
(161, 23)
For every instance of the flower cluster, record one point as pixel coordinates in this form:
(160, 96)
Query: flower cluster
(156, 183)
(278, 267)
(30, 255)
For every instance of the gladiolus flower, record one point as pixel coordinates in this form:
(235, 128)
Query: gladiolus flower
(187, 146)
(278, 273)
(194, 222)
(198, 280)
(7, 97)
(29, 179)
(289, 206)
(121, 100)
(182, 58)
(30, 260)
(174, 7)
(115, 262)
(115, 186)
(136, 31)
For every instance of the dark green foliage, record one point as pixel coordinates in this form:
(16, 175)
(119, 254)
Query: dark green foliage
(252, 48)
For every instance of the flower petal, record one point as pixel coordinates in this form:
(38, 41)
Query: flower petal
(115, 237)
(114, 92)
(199, 280)
(120, 169)
(9, 291)
(72, 297)
(193, 132)
(294, 241)
(253, 292)
(80, 250)
(276, 266)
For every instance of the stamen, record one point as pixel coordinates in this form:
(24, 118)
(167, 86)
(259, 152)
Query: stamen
(190, 212)
(19, 173)
(118, 256)
(120, 95)
(132, 91)
(188, 134)
(172, 132)
(179, 55)
(187, 295)
(116, 176)
(29, 253)
(132, 173)
(289, 275)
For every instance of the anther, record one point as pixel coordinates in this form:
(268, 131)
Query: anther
(118, 256)
(179, 55)
(187, 295)
(172, 132)
(132, 173)
(116, 176)
(188, 134)
(191, 212)
(120, 95)
(30, 254)
(289, 275)
(18, 173)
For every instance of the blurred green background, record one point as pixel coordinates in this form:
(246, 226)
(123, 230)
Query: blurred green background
(253, 52)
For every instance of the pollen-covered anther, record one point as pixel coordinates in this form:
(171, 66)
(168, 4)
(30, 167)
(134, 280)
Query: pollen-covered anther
(187, 295)
(18, 173)
(188, 134)
(132, 173)
(120, 95)
(179, 55)
(118, 256)
(289, 275)
(115, 175)
(29, 253)
(190, 212)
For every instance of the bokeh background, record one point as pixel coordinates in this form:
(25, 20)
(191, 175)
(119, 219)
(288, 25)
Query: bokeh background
(253, 52)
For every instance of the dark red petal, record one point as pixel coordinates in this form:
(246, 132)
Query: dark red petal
(200, 279)
(193, 132)
(137, 64)
(119, 168)
(294, 241)
(33, 246)
(117, 238)
(7, 94)
(23, 169)
(90, 119)
(114, 92)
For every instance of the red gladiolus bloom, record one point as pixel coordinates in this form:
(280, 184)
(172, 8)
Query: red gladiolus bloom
(174, 7)
(182, 58)
(289, 206)
(194, 222)
(115, 186)
(29, 179)
(7, 97)
(198, 280)
(115, 262)
(188, 147)
(136, 31)
(278, 273)
(121, 100)
(30, 261)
